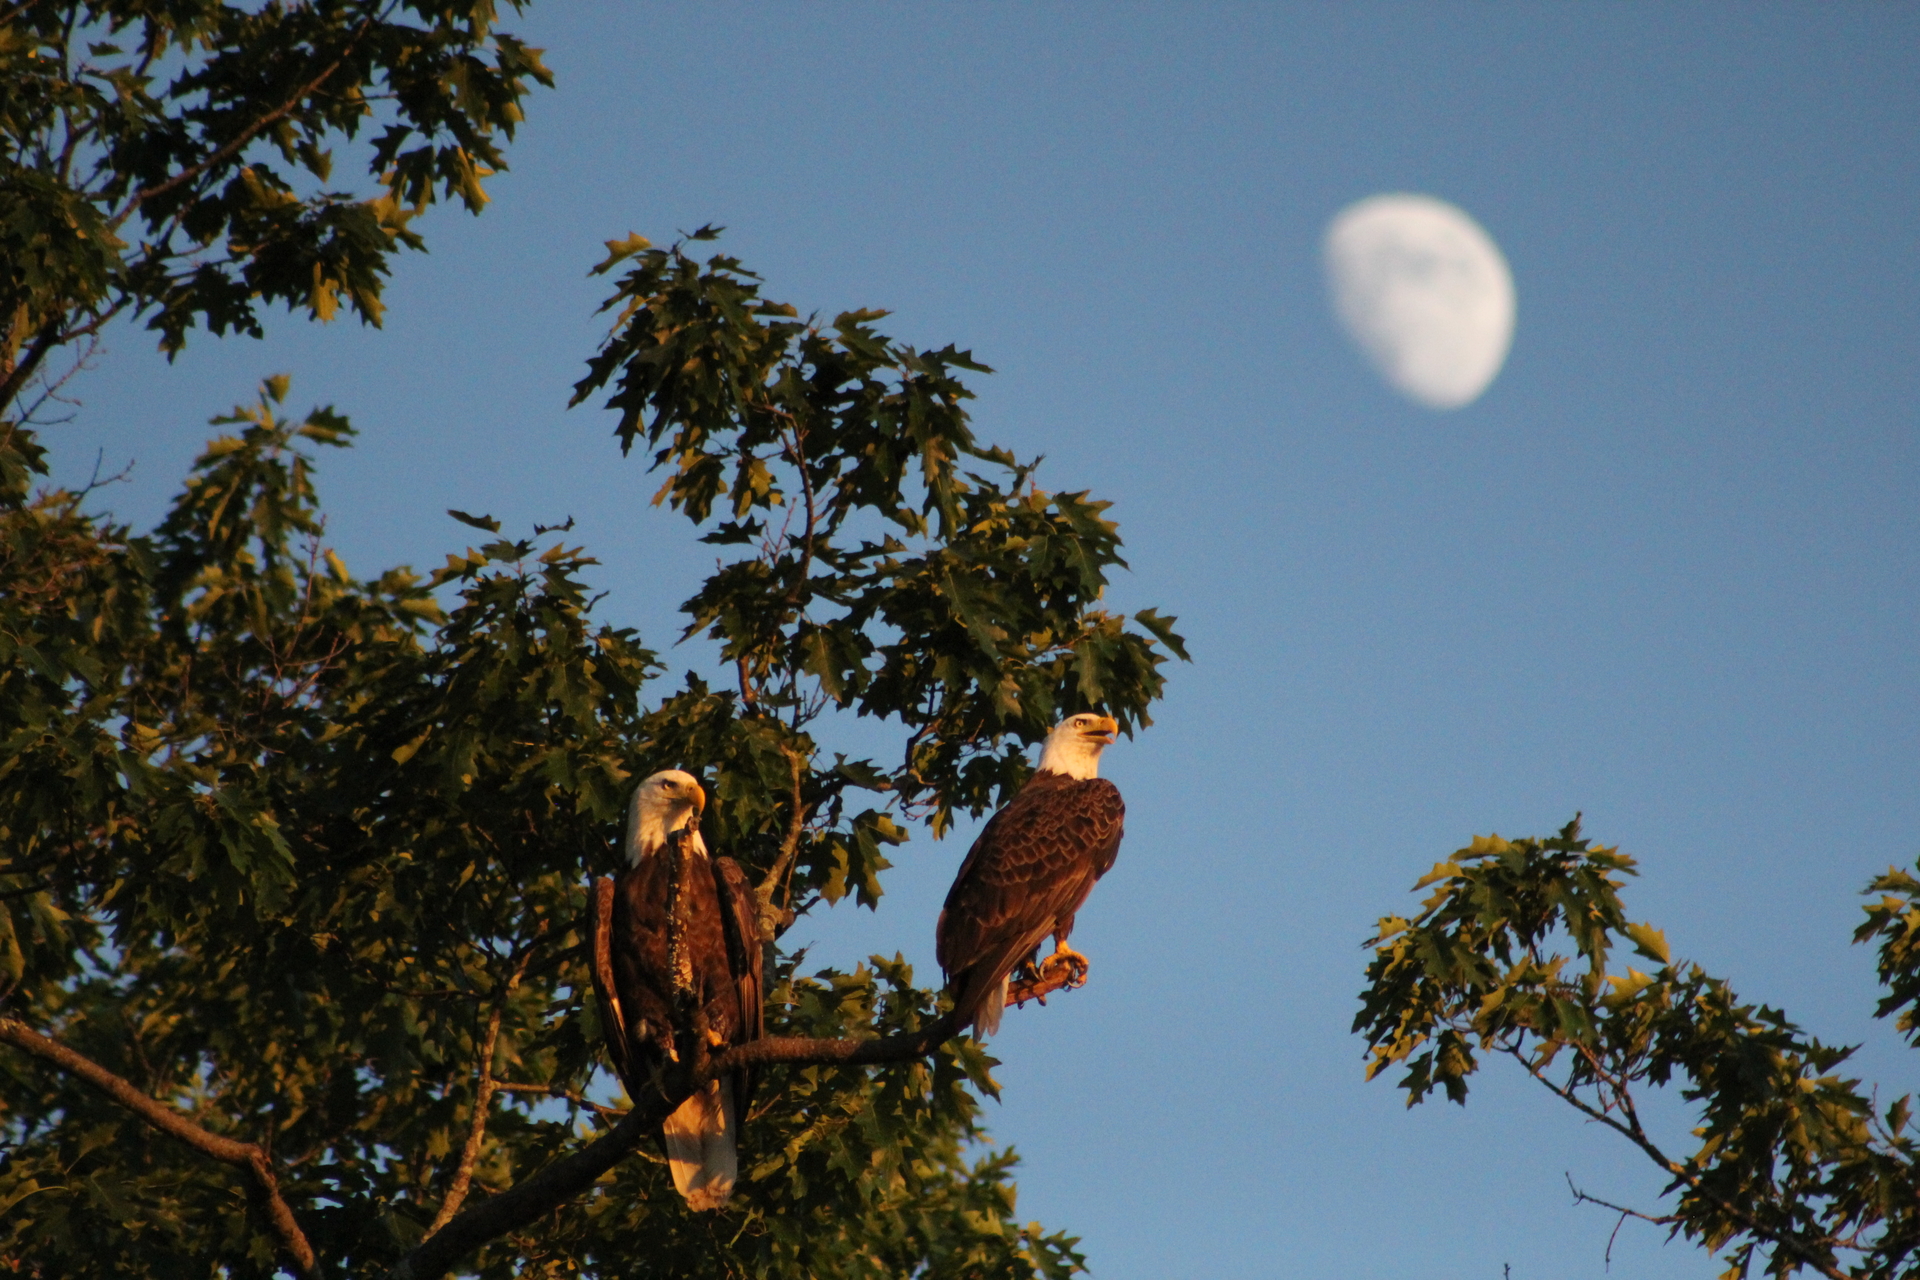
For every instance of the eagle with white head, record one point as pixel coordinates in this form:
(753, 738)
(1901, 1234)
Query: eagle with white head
(1029, 872)
(676, 932)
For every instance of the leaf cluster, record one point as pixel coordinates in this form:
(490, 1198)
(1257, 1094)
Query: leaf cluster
(1508, 955)
(890, 564)
(177, 160)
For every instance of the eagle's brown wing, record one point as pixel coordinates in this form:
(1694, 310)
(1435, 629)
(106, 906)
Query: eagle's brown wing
(1024, 878)
(613, 1023)
(739, 919)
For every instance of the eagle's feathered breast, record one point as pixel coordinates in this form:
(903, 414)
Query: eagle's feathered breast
(718, 960)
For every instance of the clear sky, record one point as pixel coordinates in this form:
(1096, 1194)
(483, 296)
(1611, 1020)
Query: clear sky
(1662, 572)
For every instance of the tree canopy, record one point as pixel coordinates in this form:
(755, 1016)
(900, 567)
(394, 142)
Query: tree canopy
(1796, 1166)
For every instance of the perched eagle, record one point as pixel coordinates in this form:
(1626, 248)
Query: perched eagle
(1029, 871)
(643, 973)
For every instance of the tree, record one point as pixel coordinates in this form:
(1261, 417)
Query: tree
(1795, 1168)
(292, 862)
(296, 861)
(172, 161)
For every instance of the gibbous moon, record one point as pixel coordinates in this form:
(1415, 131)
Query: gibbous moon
(1425, 293)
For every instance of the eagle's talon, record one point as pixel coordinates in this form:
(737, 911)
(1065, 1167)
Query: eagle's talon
(1077, 965)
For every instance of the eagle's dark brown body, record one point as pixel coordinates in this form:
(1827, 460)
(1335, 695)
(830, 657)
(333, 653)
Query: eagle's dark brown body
(721, 957)
(718, 965)
(1023, 881)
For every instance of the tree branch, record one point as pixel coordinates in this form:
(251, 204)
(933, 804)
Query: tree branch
(1043, 984)
(770, 922)
(527, 1201)
(748, 696)
(1581, 1197)
(796, 449)
(243, 1155)
(568, 1177)
(1806, 1253)
(477, 1130)
(16, 380)
(558, 1091)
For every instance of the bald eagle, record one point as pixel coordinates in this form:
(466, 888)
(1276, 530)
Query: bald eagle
(1028, 873)
(643, 974)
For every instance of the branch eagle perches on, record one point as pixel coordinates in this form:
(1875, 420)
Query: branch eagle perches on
(565, 1178)
(526, 1201)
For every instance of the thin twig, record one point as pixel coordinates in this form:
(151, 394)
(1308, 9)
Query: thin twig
(242, 1155)
(797, 451)
(557, 1091)
(1581, 1197)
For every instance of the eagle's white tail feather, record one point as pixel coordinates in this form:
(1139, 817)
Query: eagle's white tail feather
(701, 1148)
(987, 1021)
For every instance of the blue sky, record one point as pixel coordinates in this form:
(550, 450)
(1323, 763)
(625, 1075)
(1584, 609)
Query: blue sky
(1662, 572)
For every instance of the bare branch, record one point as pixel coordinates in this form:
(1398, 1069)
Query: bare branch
(1581, 1197)
(1566, 1094)
(771, 921)
(51, 387)
(242, 1155)
(477, 1129)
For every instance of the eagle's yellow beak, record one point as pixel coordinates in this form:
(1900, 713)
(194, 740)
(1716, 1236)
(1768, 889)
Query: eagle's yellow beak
(699, 798)
(1107, 730)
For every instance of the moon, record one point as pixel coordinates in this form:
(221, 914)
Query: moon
(1424, 293)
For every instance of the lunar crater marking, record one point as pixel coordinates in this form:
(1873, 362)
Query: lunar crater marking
(1424, 293)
